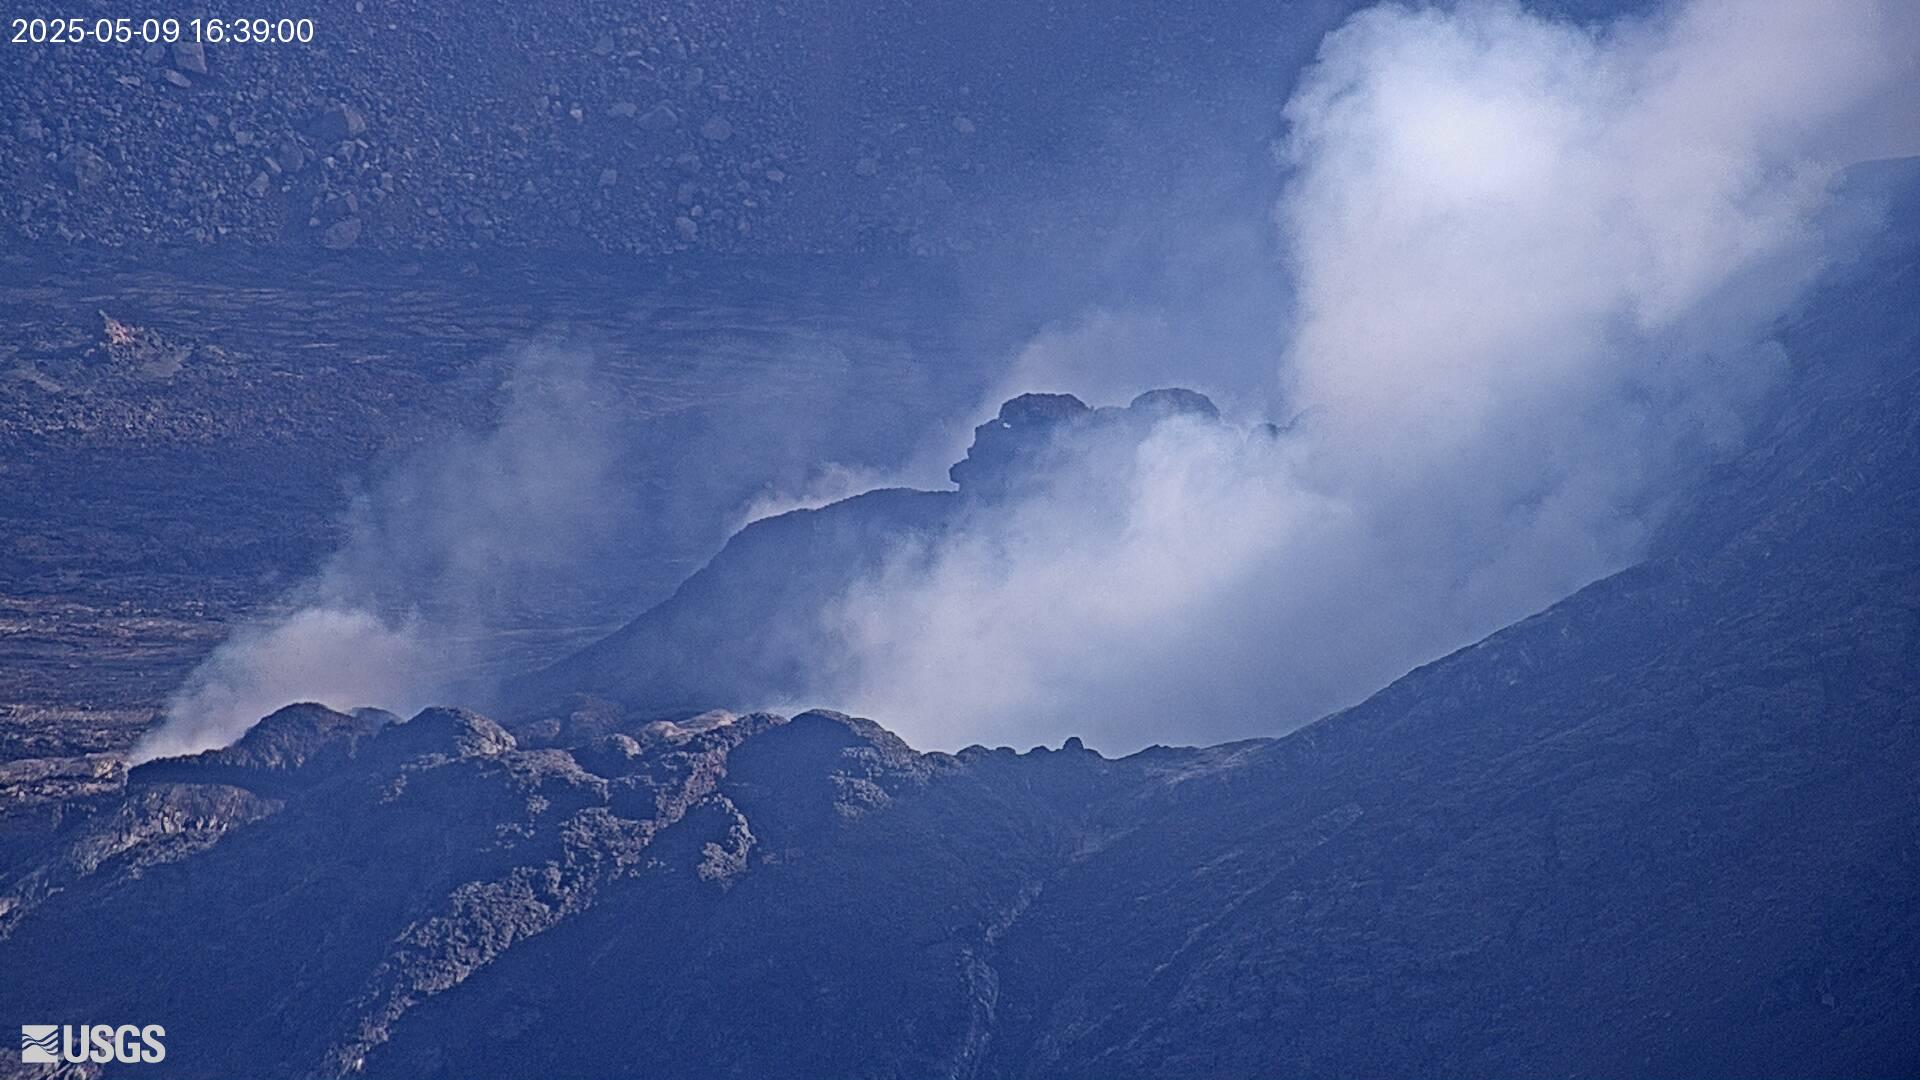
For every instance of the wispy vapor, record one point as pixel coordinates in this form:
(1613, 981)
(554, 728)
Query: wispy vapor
(461, 541)
(1532, 265)
(829, 483)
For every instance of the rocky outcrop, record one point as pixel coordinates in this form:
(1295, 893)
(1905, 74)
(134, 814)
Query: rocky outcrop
(1156, 405)
(122, 837)
(746, 628)
(1033, 432)
(1005, 446)
(404, 860)
(296, 743)
(739, 629)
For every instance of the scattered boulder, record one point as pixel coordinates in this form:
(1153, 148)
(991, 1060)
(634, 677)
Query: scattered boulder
(190, 56)
(659, 118)
(716, 129)
(86, 168)
(341, 234)
(337, 124)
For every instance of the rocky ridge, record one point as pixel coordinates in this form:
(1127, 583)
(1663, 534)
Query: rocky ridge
(742, 630)
(379, 864)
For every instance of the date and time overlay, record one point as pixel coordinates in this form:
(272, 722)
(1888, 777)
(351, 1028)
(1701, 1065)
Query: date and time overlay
(103, 30)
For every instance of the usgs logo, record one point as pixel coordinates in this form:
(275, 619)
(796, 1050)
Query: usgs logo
(50, 1044)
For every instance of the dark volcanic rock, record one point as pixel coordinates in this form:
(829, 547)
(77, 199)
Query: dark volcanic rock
(298, 741)
(1667, 827)
(745, 629)
(389, 879)
(738, 631)
(1025, 427)
(1023, 439)
(457, 733)
(1175, 401)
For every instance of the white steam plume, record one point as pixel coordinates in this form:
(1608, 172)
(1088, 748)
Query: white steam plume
(1533, 265)
(453, 545)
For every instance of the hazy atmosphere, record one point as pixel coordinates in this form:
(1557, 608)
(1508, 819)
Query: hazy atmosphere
(961, 540)
(1518, 296)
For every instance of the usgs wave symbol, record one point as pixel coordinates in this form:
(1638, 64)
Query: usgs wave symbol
(40, 1044)
(128, 1044)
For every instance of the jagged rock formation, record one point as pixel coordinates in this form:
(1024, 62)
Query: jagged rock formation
(1032, 431)
(745, 629)
(277, 751)
(342, 873)
(1025, 428)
